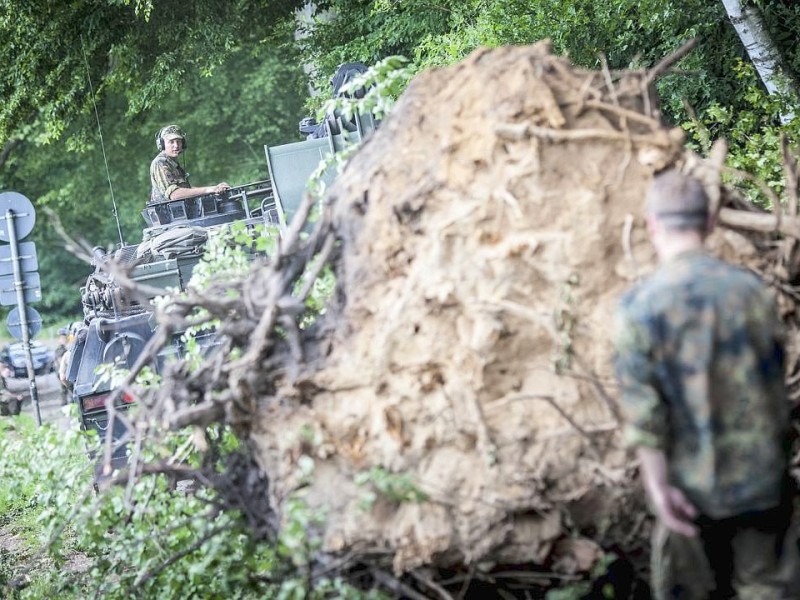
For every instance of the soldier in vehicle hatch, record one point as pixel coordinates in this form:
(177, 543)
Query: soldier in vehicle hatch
(700, 361)
(169, 180)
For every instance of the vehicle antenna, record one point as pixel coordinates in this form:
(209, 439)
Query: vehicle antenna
(102, 145)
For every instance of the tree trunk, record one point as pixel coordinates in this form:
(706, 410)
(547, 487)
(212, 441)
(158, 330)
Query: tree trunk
(7, 149)
(750, 26)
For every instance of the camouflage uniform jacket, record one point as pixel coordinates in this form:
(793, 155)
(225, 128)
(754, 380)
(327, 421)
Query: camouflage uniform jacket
(166, 175)
(699, 358)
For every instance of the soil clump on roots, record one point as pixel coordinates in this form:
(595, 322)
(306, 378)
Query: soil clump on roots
(468, 360)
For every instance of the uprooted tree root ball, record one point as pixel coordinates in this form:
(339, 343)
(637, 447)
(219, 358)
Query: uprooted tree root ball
(457, 397)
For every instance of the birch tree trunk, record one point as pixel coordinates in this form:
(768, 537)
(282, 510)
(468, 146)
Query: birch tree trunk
(750, 26)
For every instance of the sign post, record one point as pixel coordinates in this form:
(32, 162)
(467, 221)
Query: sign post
(16, 222)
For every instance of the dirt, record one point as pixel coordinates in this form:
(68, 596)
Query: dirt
(9, 542)
(487, 230)
(48, 392)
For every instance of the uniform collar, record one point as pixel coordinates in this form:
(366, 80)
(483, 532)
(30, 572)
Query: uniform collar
(687, 255)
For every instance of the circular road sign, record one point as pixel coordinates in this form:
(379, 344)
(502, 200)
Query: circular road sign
(24, 214)
(15, 326)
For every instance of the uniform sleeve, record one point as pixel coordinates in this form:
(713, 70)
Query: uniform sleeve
(158, 177)
(170, 188)
(645, 412)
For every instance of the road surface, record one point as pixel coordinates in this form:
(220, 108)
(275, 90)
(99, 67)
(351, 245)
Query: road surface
(49, 392)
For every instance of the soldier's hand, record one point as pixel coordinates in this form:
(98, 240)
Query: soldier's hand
(677, 513)
(671, 505)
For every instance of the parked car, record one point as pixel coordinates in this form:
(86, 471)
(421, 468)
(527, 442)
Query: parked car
(14, 356)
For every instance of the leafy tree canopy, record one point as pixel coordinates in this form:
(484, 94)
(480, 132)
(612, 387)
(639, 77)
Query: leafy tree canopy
(142, 51)
(225, 71)
(628, 33)
(232, 73)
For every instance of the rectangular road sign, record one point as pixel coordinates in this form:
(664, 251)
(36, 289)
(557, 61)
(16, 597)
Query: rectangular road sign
(27, 258)
(31, 288)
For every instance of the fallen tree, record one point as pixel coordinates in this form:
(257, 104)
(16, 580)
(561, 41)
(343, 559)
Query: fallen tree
(455, 407)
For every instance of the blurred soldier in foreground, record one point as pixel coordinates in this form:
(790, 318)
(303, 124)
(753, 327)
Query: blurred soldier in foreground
(700, 363)
(167, 177)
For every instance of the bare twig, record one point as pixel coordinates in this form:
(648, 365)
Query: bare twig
(552, 402)
(281, 274)
(520, 131)
(624, 113)
(759, 221)
(134, 461)
(668, 61)
(627, 230)
(197, 414)
(150, 573)
(599, 390)
(791, 177)
(428, 582)
(609, 84)
(320, 261)
(467, 581)
(765, 189)
(396, 586)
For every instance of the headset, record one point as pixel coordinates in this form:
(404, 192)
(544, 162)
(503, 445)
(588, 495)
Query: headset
(169, 129)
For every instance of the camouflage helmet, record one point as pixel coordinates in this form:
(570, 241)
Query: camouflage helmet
(169, 132)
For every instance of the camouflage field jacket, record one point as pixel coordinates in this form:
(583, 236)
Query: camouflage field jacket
(166, 175)
(699, 357)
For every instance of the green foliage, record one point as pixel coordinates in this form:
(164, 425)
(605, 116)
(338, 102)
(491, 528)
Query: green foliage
(150, 540)
(229, 73)
(321, 291)
(366, 31)
(395, 487)
(384, 82)
(630, 33)
(147, 378)
(228, 255)
(709, 91)
(753, 132)
(581, 589)
(22, 445)
(112, 373)
(144, 51)
(45, 474)
(297, 541)
(157, 523)
(565, 324)
(231, 98)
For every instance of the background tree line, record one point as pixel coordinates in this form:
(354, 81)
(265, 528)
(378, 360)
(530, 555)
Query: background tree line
(236, 74)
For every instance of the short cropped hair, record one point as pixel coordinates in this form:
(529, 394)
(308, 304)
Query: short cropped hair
(678, 201)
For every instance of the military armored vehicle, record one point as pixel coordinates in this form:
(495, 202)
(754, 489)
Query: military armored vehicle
(117, 324)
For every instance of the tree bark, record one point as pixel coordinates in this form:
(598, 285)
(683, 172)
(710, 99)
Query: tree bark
(749, 24)
(8, 148)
